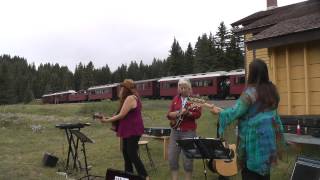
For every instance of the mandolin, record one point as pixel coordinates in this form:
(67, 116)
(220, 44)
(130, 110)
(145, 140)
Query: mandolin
(175, 124)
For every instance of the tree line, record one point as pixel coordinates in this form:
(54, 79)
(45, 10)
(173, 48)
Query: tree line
(23, 82)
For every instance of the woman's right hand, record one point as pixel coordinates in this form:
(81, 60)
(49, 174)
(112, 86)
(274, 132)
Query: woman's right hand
(97, 116)
(215, 110)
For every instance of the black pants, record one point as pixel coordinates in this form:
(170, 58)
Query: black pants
(250, 175)
(130, 154)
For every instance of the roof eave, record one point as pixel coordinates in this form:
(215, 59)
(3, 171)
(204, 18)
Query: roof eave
(252, 30)
(299, 37)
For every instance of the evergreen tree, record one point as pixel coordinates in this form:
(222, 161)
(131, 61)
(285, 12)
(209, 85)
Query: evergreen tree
(120, 74)
(188, 60)
(158, 68)
(78, 77)
(222, 36)
(7, 95)
(234, 52)
(143, 70)
(28, 95)
(213, 53)
(203, 61)
(221, 40)
(134, 71)
(103, 75)
(175, 59)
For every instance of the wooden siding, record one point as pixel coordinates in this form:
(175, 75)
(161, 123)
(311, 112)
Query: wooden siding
(295, 70)
(249, 54)
(264, 55)
(313, 65)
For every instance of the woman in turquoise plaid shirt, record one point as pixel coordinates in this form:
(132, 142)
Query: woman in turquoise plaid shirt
(260, 129)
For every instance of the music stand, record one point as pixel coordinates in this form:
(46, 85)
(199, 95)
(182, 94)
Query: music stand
(205, 148)
(84, 139)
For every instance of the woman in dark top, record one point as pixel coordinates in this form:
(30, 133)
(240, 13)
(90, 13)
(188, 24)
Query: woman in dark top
(130, 126)
(260, 135)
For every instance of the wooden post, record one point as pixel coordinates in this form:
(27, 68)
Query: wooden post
(274, 69)
(288, 81)
(165, 147)
(306, 78)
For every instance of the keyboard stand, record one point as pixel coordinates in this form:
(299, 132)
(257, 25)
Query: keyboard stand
(84, 139)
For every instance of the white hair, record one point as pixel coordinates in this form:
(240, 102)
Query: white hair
(185, 81)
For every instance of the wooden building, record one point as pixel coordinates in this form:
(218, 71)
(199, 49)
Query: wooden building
(288, 39)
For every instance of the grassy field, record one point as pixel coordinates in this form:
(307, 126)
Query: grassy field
(22, 150)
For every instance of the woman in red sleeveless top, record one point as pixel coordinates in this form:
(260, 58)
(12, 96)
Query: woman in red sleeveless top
(130, 127)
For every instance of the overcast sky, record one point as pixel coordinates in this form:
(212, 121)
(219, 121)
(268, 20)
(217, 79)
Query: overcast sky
(111, 32)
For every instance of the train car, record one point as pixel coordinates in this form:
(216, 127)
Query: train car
(79, 96)
(208, 84)
(58, 97)
(203, 84)
(237, 79)
(108, 91)
(148, 88)
(48, 99)
(168, 86)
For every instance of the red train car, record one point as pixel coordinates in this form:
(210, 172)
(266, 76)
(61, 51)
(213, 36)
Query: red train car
(148, 88)
(213, 84)
(58, 97)
(237, 79)
(48, 99)
(203, 84)
(79, 96)
(108, 91)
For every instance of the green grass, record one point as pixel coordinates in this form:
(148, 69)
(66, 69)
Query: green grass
(21, 150)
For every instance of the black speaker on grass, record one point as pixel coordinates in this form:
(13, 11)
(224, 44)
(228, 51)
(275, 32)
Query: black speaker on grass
(49, 160)
(306, 168)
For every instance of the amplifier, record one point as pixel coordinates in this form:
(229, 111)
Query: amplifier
(49, 160)
(306, 168)
(113, 174)
(157, 131)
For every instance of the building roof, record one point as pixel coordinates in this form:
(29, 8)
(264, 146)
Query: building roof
(295, 25)
(193, 76)
(103, 86)
(287, 20)
(146, 80)
(60, 93)
(236, 72)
